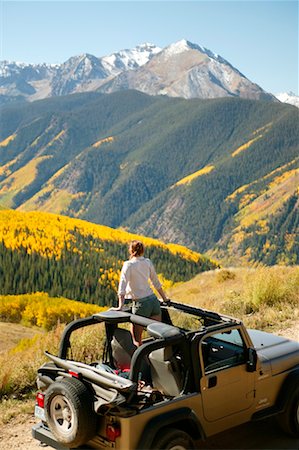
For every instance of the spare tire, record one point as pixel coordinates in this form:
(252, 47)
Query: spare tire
(69, 412)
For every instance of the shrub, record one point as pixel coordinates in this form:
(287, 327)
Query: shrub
(271, 287)
(224, 275)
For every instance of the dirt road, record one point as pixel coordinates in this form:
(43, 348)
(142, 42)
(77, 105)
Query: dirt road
(254, 436)
(17, 434)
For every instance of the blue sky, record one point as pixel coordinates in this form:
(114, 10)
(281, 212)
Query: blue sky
(259, 38)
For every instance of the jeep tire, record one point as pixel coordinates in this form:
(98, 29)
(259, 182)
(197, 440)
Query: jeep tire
(69, 412)
(173, 439)
(289, 419)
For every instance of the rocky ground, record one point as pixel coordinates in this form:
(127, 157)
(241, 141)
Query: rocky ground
(17, 434)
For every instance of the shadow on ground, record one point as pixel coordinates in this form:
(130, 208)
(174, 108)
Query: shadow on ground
(263, 435)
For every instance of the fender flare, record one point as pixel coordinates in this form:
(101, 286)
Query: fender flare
(178, 417)
(287, 389)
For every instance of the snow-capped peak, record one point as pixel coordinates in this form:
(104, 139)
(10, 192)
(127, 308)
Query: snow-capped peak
(183, 45)
(288, 97)
(13, 68)
(177, 47)
(131, 58)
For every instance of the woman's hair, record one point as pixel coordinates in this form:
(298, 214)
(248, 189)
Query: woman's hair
(136, 248)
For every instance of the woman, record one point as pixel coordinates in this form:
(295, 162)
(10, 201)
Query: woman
(134, 284)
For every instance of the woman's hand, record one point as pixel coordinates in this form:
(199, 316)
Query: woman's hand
(116, 308)
(166, 302)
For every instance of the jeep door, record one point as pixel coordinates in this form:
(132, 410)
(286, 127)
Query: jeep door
(227, 387)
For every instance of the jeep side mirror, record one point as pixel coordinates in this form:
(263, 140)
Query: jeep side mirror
(251, 360)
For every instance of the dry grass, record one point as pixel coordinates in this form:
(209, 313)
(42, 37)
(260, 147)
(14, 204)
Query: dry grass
(12, 333)
(18, 366)
(264, 298)
(12, 407)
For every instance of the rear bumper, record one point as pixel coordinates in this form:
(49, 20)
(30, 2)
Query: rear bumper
(42, 434)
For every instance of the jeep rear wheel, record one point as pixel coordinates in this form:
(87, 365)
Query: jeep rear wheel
(69, 412)
(172, 439)
(289, 419)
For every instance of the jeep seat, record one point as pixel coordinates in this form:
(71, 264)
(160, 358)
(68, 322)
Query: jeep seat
(165, 371)
(122, 348)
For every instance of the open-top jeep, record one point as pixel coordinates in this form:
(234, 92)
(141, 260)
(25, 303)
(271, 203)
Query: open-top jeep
(196, 374)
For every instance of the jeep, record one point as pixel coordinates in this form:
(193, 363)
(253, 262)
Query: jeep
(197, 373)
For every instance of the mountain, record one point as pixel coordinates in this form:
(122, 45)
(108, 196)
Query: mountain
(288, 97)
(87, 73)
(41, 252)
(220, 173)
(20, 81)
(187, 70)
(182, 69)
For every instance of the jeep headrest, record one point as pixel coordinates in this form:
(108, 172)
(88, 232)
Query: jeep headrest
(113, 316)
(161, 330)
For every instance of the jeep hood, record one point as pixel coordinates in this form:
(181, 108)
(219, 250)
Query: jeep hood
(281, 353)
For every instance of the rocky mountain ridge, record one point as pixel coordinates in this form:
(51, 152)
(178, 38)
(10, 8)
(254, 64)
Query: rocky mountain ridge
(182, 69)
(187, 70)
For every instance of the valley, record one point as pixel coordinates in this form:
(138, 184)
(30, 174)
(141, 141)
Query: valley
(215, 175)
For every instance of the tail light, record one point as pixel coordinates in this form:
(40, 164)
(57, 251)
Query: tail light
(74, 374)
(40, 399)
(113, 431)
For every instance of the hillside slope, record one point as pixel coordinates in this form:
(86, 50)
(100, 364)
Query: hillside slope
(79, 260)
(179, 170)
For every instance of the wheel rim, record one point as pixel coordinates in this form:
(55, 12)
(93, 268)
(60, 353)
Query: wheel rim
(177, 447)
(62, 415)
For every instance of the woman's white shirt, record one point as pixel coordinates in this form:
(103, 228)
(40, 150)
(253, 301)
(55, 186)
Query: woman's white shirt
(135, 276)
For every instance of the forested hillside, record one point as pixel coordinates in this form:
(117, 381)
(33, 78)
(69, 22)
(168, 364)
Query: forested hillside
(78, 260)
(197, 172)
(271, 241)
